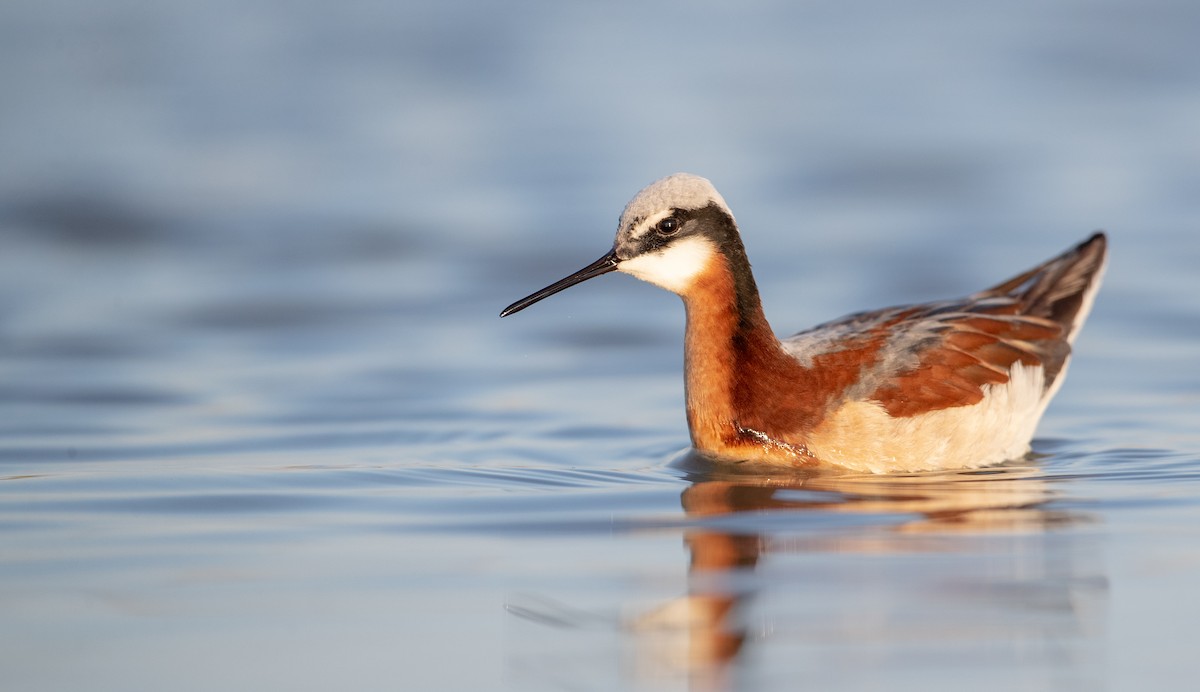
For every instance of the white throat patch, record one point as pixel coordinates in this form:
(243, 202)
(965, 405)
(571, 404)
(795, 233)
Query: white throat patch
(675, 266)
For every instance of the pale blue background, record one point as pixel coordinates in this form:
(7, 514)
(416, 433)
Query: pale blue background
(261, 427)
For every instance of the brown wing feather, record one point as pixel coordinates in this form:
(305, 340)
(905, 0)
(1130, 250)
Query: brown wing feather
(968, 353)
(947, 353)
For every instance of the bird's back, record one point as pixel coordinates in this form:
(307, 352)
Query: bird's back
(937, 362)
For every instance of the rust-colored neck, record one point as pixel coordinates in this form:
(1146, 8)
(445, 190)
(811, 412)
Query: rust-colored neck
(743, 389)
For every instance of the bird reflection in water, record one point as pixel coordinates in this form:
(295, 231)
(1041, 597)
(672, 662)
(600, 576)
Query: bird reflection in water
(739, 516)
(852, 580)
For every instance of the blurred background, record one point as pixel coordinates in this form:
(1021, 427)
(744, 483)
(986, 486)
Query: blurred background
(252, 254)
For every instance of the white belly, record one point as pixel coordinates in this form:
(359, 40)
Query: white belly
(862, 436)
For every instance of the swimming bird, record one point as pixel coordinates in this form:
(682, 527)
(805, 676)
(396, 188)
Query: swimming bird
(945, 385)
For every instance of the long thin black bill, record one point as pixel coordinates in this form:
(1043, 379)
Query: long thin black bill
(603, 265)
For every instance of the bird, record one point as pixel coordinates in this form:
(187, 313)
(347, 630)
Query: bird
(947, 385)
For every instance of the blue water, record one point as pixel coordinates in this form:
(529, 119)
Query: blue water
(260, 427)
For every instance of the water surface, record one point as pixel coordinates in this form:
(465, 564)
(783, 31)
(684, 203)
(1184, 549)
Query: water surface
(260, 427)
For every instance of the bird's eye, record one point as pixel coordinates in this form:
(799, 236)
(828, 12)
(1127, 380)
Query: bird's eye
(669, 226)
